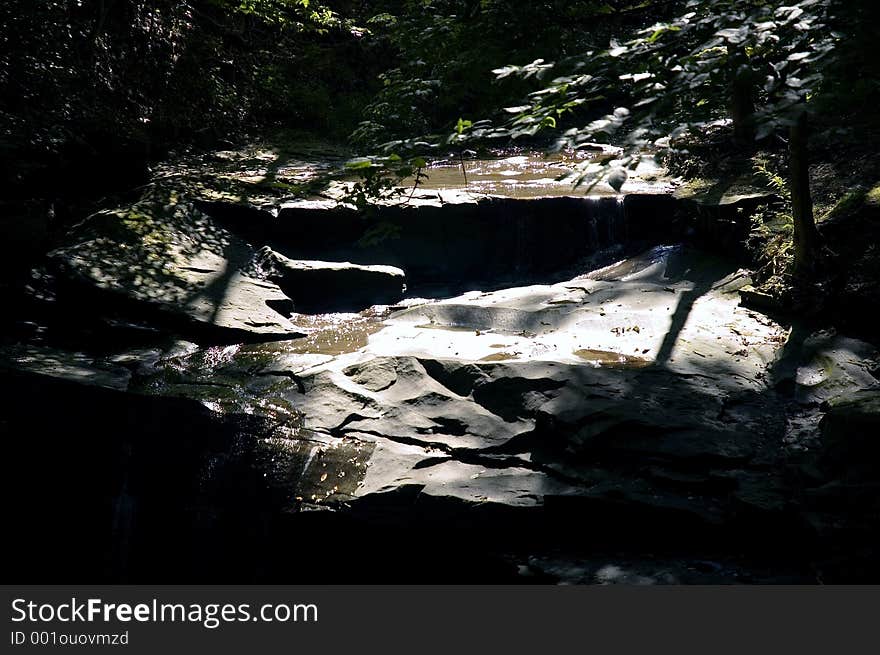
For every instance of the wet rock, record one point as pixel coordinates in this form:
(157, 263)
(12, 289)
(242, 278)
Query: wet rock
(550, 423)
(319, 286)
(170, 262)
(374, 375)
(443, 424)
(640, 398)
(455, 237)
(414, 409)
(81, 368)
(463, 483)
(815, 367)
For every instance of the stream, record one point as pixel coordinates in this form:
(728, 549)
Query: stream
(569, 390)
(531, 175)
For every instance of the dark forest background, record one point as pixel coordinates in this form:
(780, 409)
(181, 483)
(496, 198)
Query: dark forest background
(93, 91)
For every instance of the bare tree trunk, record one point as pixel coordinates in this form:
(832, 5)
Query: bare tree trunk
(742, 101)
(806, 236)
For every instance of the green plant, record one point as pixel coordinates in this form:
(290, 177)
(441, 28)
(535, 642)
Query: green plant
(772, 179)
(379, 179)
(771, 244)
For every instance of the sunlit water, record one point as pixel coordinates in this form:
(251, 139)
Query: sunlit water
(533, 175)
(621, 316)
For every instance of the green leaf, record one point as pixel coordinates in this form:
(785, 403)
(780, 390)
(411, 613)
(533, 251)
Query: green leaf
(359, 163)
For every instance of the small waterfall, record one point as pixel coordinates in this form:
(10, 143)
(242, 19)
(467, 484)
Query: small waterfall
(474, 241)
(620, 231)
(606, 222)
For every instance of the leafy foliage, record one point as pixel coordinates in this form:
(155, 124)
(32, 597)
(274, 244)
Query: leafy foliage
(378, 179)
(88, 81)
(758, 63)
(772, 179)
(441, 53)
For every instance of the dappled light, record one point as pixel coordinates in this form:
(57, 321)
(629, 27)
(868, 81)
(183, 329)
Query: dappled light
(441, 291)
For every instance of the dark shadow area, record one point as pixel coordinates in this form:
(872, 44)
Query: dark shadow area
(165, 490)
(486, 244)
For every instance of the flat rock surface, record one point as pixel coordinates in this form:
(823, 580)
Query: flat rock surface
(640, 400)
(512, 396)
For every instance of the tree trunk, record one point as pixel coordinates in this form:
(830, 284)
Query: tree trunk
(742, 101)
(806, 236)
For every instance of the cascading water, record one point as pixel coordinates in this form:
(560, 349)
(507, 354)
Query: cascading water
(606, 223)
